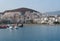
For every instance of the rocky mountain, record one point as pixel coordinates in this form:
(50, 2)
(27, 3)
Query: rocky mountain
(17, 13)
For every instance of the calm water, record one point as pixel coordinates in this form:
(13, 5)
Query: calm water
(31, 33)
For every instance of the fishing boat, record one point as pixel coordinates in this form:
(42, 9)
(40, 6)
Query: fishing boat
(9, 26)
(3, 26)
(16, 26)
(20, 25)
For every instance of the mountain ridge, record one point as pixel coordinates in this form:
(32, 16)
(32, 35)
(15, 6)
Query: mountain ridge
(21, 10)
(53, 13)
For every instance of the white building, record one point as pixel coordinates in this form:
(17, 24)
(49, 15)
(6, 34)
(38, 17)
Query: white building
(51, 19)
(1, 14)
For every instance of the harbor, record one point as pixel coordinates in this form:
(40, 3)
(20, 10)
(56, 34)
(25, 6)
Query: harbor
(29, 20)
(31, 33)
(4, 26)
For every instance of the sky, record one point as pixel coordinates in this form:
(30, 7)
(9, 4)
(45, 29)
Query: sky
(39, 5)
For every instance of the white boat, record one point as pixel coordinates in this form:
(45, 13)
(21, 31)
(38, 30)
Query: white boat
(20, 25)
(11, 27)
(15, 27)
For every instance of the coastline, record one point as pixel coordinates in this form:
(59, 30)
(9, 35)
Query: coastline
(32, 24)
(42, 24)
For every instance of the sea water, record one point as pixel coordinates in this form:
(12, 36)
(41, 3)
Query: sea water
(31, 33)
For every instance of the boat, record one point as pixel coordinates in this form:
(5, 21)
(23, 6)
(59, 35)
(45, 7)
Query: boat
(3, 26)
(16, 27)
(10, 26)
(20, 25)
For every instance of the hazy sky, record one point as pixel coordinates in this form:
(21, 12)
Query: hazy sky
(39, 5)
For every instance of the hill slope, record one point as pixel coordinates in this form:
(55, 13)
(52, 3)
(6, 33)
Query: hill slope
(23, 10)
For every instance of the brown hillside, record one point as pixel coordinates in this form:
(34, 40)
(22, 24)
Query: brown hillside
(22, 10)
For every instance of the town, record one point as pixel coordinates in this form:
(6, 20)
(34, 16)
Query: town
(27, 16)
